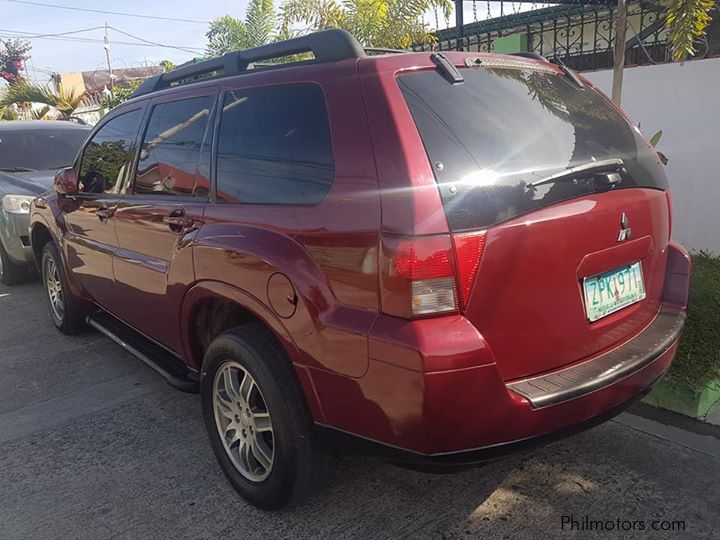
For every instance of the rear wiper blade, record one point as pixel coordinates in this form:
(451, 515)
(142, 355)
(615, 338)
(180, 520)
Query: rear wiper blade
(15, 169)
(609, 169)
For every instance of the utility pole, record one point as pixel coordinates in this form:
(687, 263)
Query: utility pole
(619, 50)
(109, 60)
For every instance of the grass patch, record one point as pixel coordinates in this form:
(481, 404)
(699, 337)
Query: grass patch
(698, 357)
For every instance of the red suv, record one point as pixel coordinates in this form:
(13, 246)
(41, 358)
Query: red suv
(433, 258)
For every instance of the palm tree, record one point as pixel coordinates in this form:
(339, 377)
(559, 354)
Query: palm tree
(57, 104)
(375, 23)
(228, 33)
(687, 21)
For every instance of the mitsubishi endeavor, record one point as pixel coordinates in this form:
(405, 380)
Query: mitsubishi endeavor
(435, 258)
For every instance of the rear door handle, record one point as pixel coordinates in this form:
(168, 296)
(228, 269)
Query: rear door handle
(104, 213)
(178, 221)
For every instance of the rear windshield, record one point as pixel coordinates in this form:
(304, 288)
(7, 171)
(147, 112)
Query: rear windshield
(503, 129)
(40, 149)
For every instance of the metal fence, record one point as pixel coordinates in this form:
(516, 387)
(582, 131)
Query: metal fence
(582, 36)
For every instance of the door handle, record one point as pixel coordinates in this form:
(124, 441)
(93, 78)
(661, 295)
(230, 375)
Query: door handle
(104, 213)
(184, 222)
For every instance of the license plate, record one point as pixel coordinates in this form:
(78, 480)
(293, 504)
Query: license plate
(613, 290)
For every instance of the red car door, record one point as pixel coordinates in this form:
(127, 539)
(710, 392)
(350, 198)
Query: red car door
(162, 209)
(90, 240)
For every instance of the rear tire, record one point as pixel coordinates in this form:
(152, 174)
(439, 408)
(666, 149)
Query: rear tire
(10, 273)
(66, 311)
(259, 427)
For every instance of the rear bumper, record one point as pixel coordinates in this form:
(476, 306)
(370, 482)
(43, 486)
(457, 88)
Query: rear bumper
(347, 443)
(580, 379)
(509, 426)
(15, 237)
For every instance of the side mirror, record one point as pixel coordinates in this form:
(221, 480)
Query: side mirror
(66, 182)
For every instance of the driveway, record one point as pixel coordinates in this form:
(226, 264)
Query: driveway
(94, 445)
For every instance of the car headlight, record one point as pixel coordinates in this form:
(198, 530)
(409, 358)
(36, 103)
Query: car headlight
(17, 204)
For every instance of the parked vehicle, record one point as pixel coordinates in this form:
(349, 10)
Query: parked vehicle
(31, 152)
(436, 259)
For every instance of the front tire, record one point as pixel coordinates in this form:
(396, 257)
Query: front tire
(257, 419)
(10, 273)
(65, 310)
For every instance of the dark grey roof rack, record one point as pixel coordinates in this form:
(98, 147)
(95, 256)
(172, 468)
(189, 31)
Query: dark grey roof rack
(327, 46)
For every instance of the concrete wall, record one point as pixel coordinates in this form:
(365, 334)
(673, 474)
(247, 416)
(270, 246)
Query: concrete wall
(684, 101)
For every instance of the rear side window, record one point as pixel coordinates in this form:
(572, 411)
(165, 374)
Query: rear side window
(109, 153)
(274, 146)
(171, 153)
(492, 136)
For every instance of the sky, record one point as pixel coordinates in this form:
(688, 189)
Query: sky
(56, 55)
(61, 54)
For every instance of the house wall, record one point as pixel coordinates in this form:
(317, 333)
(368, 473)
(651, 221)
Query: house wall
(682, 100)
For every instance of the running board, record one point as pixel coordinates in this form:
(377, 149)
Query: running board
(156, 357)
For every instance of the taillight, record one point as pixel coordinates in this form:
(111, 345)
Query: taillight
(420, 275)
(468, 252)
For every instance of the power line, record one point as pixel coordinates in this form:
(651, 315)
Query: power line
(58, 33)
(153, 42)
(64, 36)
(104, 12)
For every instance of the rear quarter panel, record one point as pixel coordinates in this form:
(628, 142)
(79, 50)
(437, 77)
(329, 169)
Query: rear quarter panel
(327, 251)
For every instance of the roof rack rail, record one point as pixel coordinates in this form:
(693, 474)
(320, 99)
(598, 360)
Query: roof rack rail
(327, 46)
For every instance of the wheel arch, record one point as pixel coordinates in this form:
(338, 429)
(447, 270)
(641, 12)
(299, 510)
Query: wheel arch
(39, 236)
(211, 307)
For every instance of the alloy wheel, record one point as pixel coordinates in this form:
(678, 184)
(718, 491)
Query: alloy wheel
(53, 286)
(243, 421)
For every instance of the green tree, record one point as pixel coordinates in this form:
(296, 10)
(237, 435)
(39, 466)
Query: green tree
(228, 33)
(61, 103)
(375, 23)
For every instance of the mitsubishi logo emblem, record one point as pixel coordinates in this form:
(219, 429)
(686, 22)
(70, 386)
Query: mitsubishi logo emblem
(625, 230)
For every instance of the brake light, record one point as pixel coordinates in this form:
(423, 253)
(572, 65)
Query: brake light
(468, 252)
(426, 275)
(418, 276)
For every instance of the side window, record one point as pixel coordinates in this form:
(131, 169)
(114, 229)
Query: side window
(170, 155)
(109, 153)
(274, 146)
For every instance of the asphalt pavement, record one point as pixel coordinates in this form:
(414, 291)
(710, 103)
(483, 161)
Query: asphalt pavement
(94, 445)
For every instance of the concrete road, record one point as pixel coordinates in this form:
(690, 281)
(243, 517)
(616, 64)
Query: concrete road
(94, 445)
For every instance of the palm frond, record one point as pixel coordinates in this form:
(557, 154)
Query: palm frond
(688, 21)
(260, 22)
(41, 113)
(226, 34)
(65, 102)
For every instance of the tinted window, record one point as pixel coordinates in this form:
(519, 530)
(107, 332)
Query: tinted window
(170, 156)
(502, 129)
(40, 149)
(108, 155)
(274, 146)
